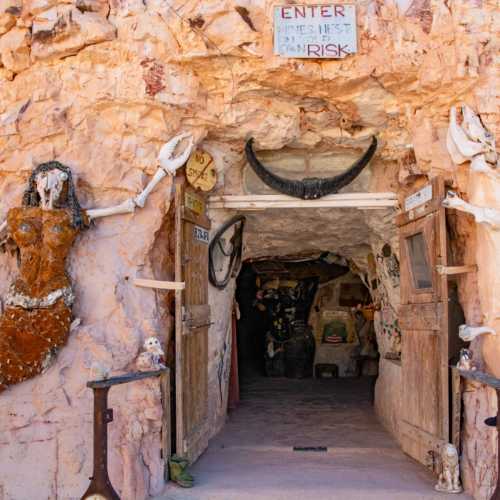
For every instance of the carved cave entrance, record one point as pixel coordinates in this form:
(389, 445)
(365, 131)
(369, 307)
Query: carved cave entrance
(307, 348)
(315, 276)
(319, 300)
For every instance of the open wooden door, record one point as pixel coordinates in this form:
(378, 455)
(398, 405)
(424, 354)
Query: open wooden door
(192, 322)
(423, 319)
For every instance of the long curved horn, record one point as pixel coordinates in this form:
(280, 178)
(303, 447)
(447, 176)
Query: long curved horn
(313, 187)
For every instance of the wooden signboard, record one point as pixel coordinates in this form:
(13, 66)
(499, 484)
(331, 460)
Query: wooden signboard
(315, 31)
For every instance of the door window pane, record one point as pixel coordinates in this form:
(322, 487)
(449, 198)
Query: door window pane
(422, 277)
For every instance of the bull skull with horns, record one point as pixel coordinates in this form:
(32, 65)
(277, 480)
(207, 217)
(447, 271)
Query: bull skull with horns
(313, 187)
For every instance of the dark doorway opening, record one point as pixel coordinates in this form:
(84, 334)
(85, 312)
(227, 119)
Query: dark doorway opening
(307, 317)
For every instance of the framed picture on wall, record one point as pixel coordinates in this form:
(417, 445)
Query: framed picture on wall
(337, 326)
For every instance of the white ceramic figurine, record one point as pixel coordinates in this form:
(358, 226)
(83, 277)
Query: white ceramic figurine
(449, 478)
(465, 362)
(152, 358)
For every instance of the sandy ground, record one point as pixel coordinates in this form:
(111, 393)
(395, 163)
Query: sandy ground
(253, 458)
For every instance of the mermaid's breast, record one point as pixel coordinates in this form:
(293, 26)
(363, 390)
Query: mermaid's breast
(25, 226)
(44, 239)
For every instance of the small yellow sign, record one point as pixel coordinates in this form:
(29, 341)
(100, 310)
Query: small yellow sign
(194, 203)
(200, 171)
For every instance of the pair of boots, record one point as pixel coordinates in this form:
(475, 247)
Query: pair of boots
(178, 471)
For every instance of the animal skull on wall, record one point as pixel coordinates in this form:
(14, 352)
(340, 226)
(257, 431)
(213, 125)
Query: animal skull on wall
(470, 141)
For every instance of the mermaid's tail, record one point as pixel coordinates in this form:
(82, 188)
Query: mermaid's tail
(30, 339)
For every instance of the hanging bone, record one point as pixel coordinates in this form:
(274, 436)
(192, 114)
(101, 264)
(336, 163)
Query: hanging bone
(313, 187)
(483, 215)
(469, 333)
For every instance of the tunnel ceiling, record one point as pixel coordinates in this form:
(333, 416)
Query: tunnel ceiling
(346, 231)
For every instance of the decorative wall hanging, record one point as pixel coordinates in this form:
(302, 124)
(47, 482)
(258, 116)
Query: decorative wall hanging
(337, 327)
(37, 317)
(219, 249)
(309, 188)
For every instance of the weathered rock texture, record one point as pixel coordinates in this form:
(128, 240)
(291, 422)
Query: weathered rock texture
(100, 85)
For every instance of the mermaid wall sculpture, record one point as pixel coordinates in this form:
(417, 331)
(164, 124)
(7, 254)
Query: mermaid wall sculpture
(37, 316)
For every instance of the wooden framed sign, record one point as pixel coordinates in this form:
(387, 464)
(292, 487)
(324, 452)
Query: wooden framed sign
(194, 203)
(325, 31)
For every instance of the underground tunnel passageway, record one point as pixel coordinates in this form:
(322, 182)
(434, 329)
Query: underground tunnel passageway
(301, 317)
(305, 425)
(253, 457)
(319, 356)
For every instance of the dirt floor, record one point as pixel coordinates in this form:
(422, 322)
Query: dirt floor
(253, 457)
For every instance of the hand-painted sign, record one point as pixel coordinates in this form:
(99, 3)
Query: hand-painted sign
(315, 31)
(200, 171)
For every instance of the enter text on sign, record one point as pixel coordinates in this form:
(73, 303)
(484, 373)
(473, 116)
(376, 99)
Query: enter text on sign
(315, 31)
(304, 11)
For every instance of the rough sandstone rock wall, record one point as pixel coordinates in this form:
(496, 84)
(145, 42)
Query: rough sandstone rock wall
(99, 85)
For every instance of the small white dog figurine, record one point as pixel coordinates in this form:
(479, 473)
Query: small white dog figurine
(449, 478)
(152, 358)
(465, 362)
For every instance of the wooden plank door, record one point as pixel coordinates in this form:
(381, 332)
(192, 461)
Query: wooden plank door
(192, 323)
(424, 322)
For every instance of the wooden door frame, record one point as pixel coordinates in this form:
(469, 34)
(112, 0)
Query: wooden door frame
(186, 321)
(430, 219)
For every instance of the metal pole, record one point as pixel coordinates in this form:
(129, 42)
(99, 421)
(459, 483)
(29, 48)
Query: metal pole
(100, 486)
(496, 493)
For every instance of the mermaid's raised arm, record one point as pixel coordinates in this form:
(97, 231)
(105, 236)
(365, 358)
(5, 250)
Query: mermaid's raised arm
(168, 165)
(127, 207)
